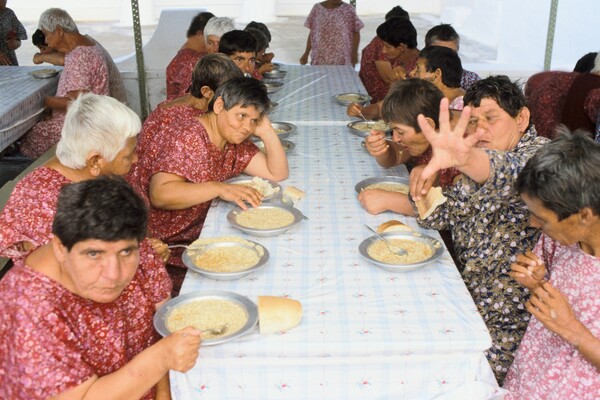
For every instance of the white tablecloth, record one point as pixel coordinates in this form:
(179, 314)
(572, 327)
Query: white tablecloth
(21, 101)
(366, 333)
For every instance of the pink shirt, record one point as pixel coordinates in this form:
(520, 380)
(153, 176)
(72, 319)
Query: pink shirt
(52, 340)
(545, 365)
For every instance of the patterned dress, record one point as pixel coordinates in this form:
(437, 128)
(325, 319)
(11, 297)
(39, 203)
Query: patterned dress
(331, 34)
(468, 79)
(179, 72)
(188, 153)
(490, 226)
(376, 87)
(85, 70)
(52, 340)
(582, 103)
(10, 28)
(546, 366)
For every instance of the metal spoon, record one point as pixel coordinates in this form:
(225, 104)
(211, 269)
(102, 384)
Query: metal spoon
(393, 249)
(216, 331)
(361, 114)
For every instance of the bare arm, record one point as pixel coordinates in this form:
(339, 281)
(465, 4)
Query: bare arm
(61, 103)
(387, 153)
(54, 58)
(355, 43)
(274, 164)
(304, 57)
(377, 201)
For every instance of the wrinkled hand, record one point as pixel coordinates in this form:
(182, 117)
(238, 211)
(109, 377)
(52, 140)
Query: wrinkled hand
(528, 270)
(304, 59)
(414, 179)
(376, 143)
(354, 110)
(450, 147)
(375, 201)
(240, 195)
(4, 60)
(181, 349)
(552, 309)
(160, 248)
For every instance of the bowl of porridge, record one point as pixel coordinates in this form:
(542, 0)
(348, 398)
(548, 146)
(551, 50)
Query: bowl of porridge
(363, 128)
(397, 184)
(283, 129)
(345, 99)
(265, 220)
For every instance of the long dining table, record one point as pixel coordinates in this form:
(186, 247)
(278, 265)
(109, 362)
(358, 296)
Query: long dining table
(366, 333)
(21, 101)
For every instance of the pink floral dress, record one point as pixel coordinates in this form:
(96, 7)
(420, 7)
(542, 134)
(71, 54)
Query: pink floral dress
(331, 33)
(52, 340)
(179, 72)
(546, 366)
(188, 153)
(85, 70)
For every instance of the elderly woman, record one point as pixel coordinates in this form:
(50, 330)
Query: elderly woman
(179, 70)
(559, 356)
(488, 220)
(77, 313)
(401, 107)
(182, 179)
(214, 29)
(85, 70)
(11, 34)
(98, 138)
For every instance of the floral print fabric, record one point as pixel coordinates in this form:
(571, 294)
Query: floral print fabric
(10, 26)
(490, 226)
(52, 340)
(546, 366)
(331, 34)
(179, 72)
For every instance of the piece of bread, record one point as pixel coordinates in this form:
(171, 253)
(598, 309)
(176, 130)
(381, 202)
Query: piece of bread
(293, 193)
(276, 314)
(393, 226)
(427, 205)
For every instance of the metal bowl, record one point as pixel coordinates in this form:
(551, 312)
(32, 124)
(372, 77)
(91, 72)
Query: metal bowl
(232, 218)
(287, 145)
(188, 260)
(277, 66)
(433, 244)
(363, 128)
(246, 180)
(345, 99)
(362, 185)
(275, 74)
(283, 129)
(163, 313)
(273, 86)
(44, 73)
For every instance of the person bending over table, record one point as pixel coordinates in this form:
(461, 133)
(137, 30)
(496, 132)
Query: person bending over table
(488, 220)
(85, 70)
(77, 313)
(179, 70)
(183, 178)
(405, 101)
(559, 356)
(262, 43)
(98, 138)
(264, 60)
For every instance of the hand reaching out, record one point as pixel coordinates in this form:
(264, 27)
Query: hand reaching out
(427, 184)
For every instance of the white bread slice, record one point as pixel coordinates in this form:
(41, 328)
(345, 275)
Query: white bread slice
(276, 314)
(393, 226)
(427, 205)
(293, 193)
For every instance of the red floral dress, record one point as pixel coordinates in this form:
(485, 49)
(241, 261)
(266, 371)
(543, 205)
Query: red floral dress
(179, 72)
(188, 153)
(52, 340)
(85, 70)
(331, 34)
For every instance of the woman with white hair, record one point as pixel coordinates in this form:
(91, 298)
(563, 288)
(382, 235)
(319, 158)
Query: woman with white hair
(98, 138)
(214, 29)
(85, 70)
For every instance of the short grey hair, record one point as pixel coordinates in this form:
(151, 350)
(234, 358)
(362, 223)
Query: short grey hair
(218, 26)
(55, 17)
(95, 123)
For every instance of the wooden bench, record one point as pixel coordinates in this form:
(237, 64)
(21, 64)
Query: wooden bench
(8, 187)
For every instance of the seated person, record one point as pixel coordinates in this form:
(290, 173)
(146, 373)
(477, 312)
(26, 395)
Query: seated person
(399, 38)
(98, 138)
(240, 47)
(179, 70)
(262, 58)
(446, 36)
(489, 145)
(202, 152)
(209, 73)
(560, 352)
(77, 313)
(406, 100)
(214, 29)
(261, 47)
(372, 53)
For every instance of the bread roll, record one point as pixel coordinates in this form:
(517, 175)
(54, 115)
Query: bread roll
(393, 226)
(276, 314)
(293, 193)
(427, 205)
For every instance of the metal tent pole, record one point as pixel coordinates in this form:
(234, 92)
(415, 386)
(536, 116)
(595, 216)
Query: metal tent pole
(139, 57)
(550, 37)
